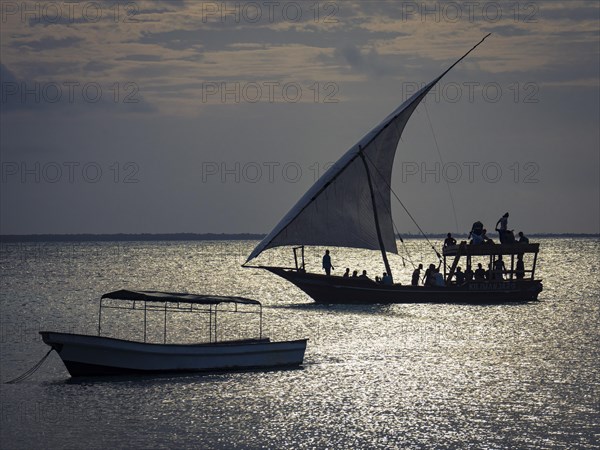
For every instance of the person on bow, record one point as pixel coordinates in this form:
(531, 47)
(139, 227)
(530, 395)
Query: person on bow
(416, 275)
(327, 263)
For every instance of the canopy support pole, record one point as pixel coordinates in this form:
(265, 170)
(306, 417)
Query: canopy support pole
(379, 238)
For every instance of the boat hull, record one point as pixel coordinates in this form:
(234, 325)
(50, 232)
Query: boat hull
(85, 355)
(334, 290)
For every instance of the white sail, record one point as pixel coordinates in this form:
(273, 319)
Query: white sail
(350, 205)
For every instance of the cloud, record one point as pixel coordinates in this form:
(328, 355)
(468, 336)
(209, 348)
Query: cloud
(73, 97)
(47, 44)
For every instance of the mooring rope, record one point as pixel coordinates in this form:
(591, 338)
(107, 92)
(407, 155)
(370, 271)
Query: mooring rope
(30, 371)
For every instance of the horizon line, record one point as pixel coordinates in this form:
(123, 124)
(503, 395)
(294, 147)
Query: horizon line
(184, 236)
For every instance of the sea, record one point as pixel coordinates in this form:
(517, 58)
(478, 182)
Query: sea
(404, 376)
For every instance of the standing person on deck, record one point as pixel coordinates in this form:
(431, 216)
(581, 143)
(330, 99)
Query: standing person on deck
(428, 277)
(416, 275)
(503, 222)
(327, 263)
(520, 272)
(499, 268)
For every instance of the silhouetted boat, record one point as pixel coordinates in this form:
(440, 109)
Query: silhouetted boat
(350, 206)
(87, 355)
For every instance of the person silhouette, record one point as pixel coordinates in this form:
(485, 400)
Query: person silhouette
(449, 240)
(520, 272)
(416, 275)
(479, 273)
(503, 222)
(327, 263)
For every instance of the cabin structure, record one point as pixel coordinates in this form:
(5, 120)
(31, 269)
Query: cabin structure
(491, 251)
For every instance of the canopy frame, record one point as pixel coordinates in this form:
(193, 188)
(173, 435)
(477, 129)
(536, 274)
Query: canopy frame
(154, 301)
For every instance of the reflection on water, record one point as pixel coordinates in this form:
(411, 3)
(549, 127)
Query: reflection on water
(393, 376)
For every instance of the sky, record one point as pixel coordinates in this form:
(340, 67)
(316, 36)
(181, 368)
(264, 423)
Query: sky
(215, 117)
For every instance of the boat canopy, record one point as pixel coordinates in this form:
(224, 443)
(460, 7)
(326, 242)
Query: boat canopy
(491, 249)
(175, 297)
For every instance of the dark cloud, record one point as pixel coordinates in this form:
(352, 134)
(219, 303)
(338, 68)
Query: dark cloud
(69, 97)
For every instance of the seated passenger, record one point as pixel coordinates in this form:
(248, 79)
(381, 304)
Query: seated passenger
(469, 273)
(489, 273)
(438, 278)
(477, 239)
(475, 233)
(347, 272)
(364, 275)
(485, 238)
(479, 273)
(386, 279)
(522, 238)
(460, 276)
(355, 274)
(449, 240)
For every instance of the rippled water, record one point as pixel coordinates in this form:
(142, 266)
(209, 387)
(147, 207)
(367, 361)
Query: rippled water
(397, 376)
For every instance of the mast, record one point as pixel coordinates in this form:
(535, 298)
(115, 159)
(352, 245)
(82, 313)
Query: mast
(377, 227)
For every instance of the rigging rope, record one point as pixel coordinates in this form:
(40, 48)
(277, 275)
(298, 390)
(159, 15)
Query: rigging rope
(405, 209)
(30, 371)
(408, 255)
(442, 161)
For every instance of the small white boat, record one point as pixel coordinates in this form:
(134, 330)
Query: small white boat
(87, 355)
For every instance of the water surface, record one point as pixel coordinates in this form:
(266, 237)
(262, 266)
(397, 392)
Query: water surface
(397, 376)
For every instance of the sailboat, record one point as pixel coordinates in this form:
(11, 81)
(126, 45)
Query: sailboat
(350, 206)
